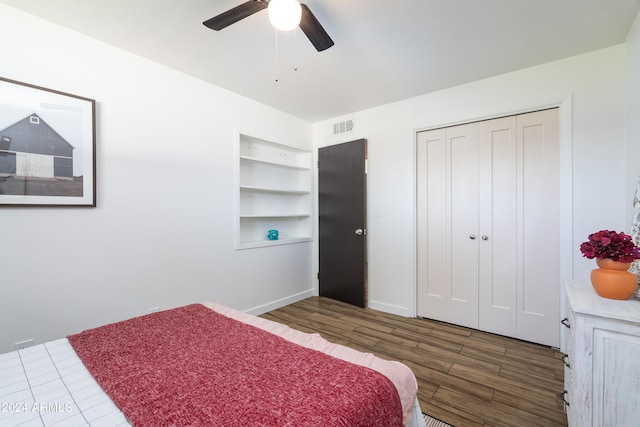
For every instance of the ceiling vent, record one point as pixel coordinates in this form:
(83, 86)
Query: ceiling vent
(343, 127)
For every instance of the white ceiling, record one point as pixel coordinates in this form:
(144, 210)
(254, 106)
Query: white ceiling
(385, 50)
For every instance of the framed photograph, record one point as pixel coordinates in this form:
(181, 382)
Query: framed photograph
(47, 147)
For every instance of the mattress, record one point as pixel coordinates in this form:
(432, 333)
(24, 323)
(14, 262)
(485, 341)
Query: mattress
(48, 384)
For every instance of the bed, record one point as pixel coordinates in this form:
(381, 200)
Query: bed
(203, 364)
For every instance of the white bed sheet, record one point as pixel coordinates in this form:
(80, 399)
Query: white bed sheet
(48, 385)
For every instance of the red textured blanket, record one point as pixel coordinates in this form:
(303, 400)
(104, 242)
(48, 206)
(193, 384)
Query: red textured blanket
(192, 366)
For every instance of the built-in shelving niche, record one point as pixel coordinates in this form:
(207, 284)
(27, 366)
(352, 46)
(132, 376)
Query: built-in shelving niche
(274, 192)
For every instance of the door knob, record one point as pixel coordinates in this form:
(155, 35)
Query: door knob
(359, 232)
(485, 237)
(472, 236)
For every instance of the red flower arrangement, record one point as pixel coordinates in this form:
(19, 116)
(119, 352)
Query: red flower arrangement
(610, 244)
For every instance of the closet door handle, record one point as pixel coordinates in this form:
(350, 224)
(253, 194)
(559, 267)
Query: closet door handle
(485, 237)
(472, 236)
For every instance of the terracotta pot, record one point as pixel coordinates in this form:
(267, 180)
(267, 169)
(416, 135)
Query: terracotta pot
(612, 280)
(610, 264)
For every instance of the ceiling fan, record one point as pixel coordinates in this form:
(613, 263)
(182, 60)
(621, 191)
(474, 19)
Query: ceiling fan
(308, 22)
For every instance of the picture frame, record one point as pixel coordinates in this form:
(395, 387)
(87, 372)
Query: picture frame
(47, 147)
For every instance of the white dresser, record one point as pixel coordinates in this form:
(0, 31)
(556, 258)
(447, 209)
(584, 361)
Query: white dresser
(602, 347)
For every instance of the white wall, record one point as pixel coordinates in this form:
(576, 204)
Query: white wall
(632, 112)
(590, 88)
(162, 234)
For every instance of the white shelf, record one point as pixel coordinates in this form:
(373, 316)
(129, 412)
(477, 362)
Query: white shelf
(273, 192)
(266, 243)
(276, 215)
(273, 163)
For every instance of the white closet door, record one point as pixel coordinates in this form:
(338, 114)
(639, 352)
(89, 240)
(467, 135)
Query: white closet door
(489, 226)
(498, 226)
(432, 224)
(462, 294)
(538, 286)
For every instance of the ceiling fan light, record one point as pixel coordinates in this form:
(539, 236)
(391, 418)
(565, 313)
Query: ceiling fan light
(284, 14)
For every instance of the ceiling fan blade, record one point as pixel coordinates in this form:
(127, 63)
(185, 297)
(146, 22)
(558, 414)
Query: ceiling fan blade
(234, 15)
(313, 30)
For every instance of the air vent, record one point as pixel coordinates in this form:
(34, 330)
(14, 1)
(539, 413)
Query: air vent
(343, 127)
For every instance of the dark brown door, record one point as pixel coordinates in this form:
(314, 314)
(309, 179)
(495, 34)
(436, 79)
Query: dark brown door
(342, 221)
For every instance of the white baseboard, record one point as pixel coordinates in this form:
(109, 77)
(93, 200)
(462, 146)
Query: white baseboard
(273, 305)
(390, 308)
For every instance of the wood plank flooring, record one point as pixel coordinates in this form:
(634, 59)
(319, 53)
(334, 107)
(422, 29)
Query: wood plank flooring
(465, 377)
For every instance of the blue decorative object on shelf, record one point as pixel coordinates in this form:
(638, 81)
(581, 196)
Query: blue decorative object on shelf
(272, 234)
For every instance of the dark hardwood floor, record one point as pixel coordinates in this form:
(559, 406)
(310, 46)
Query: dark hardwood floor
(465, 377)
